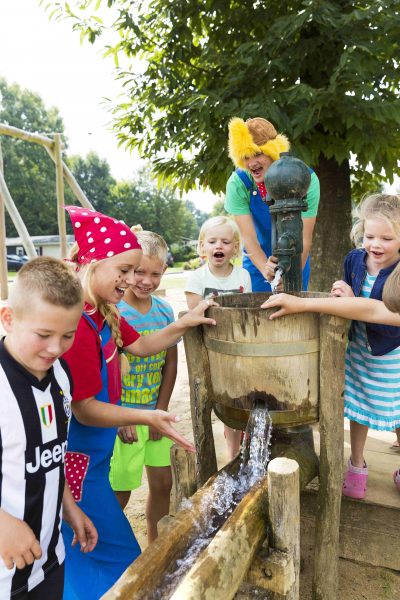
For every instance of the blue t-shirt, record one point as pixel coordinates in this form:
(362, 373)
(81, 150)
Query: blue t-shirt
(141, 386)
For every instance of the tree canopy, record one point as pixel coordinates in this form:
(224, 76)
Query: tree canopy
(30, 176)
(28, 169)
(324, 72)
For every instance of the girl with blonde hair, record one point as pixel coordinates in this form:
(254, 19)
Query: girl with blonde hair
(105, 258)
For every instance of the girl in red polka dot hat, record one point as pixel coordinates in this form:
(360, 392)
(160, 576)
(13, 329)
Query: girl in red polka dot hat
(105, 256)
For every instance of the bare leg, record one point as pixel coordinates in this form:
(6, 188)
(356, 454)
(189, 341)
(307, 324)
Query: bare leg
(123, 498)
(358, 436)
(157, 506)
(232, 437)
(398, 436)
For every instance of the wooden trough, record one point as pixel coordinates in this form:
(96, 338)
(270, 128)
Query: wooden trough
(295, 365)
(240, 550)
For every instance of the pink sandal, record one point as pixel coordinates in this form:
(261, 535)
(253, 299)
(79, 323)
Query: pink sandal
(355, 482)
(396, 479)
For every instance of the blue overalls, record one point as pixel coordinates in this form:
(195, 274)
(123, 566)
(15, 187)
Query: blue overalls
(89, 576)
(262, 223)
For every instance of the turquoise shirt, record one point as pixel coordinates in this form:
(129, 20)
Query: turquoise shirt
(141, 386)
(237, 201)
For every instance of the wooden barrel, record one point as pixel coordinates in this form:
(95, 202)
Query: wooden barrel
(255, 361)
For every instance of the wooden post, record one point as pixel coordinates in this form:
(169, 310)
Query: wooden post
(73, 184)
(3, 247)
(326, 560)
(16, 219)
(62, 230)
(183, 476)
(200, 402)
(284, 514)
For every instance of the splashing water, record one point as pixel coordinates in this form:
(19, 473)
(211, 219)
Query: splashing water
(276, 281)
(223, 496)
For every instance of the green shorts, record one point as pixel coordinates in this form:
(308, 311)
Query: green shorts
(128, 460)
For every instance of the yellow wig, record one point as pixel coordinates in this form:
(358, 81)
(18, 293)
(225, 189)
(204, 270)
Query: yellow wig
(246, 139)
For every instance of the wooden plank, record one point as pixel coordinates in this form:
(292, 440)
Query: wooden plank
(3, 247)
(326, 561)
(62, 230)
(200, 403)
(183, 468)
(369, 532)
(73, 184)
(16, 219)
(25, 135)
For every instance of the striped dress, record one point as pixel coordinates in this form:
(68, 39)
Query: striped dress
(372, 383)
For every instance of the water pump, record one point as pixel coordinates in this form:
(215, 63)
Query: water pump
(287, 181)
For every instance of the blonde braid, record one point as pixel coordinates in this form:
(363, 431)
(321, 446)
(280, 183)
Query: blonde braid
(108, 311)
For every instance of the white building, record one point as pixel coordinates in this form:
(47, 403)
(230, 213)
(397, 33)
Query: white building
(45, 245)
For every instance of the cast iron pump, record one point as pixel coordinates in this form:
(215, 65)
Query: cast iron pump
(287, 181)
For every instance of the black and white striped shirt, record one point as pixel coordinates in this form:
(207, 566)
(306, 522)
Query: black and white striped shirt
(34, 419)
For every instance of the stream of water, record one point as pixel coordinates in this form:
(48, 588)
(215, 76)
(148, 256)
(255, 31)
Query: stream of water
(223, 496)
(276, 281)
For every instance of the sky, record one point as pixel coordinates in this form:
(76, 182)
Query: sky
(47, 57)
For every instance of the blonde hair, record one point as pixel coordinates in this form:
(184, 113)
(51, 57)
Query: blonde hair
(217, 222)
(376, 206)
(391, 291)
(109, 311)
(153, 245)
(51, 279)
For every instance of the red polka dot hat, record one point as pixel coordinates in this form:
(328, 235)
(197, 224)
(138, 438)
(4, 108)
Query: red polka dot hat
(99, 236)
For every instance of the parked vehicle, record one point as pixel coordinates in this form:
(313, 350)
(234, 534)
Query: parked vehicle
(15, 262)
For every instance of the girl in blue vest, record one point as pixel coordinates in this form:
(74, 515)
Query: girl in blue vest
(253, 146)
(105, 257)
(372, 383)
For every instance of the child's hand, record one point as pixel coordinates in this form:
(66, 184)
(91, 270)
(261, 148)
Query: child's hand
(341, 289)
(84, 531)
(162, 421)
(287, 304)
(196, 315)
(269, 269)
(127, 434)
(18, 544)
(154, 435)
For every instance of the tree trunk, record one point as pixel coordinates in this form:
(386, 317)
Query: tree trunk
(331, 241)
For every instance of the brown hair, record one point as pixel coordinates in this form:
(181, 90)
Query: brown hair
(391, 291)
(376, 206)
(51, 279)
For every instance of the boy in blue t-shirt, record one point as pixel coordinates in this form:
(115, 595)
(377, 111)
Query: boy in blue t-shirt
(148, 384)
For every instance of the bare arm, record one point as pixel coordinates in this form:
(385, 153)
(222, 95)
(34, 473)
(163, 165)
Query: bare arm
(308, 229)
(101, 414)
(167, 386)
(147, 345)
(192, 299)
(249, 236)
(359, 309)
(84, 531)
(168, 378)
